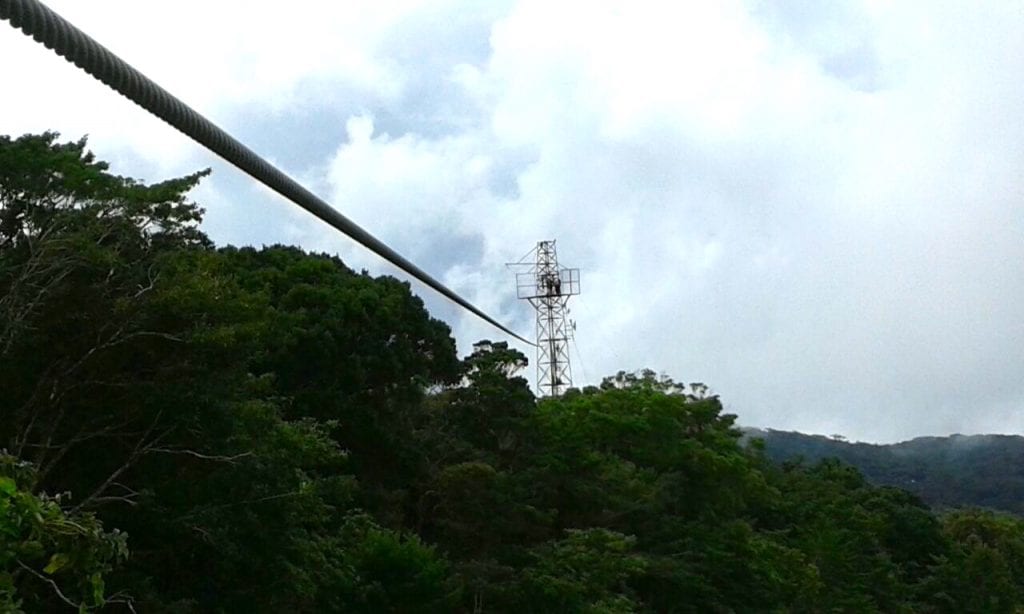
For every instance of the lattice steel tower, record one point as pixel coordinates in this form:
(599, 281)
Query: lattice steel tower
(548, 288)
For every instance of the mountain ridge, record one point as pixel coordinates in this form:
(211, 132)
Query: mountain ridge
(954, 471)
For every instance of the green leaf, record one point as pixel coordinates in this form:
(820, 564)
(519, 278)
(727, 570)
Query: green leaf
(7, 486)
(98, 586)
(57, 562)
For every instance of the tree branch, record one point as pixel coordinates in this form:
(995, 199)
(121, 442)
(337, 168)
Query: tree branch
(141, 448)
(212, 457)
(52, 584)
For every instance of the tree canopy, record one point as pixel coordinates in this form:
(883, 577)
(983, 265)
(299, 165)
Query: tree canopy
(199, 429)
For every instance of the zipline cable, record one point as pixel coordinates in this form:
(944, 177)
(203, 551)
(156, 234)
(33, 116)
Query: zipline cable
(44, 25)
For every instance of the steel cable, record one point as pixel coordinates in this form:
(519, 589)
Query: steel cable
(47, 27)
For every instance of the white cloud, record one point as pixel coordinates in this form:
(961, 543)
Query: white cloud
(813, 208)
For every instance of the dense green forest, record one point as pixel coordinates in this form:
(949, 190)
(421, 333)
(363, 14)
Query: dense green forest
(198, 429)
(955, 471)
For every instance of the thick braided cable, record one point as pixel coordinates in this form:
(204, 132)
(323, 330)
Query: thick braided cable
(47, 27)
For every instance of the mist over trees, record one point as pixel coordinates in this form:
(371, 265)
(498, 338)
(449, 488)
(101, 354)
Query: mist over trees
(198, 429)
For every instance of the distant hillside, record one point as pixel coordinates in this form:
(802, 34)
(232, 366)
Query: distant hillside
(955, 471)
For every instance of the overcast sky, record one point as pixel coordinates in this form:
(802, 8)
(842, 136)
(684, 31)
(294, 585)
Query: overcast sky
(813, 207)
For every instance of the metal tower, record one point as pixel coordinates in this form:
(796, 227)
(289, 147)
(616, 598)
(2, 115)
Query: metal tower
(548, 289)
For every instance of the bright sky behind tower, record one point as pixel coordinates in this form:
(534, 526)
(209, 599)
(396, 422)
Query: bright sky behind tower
(816, 208)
